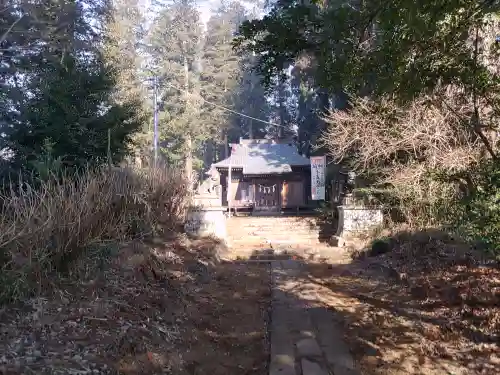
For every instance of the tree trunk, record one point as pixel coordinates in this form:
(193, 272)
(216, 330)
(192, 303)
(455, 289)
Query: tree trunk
(226, 147)
(209, 154)
(189, 142)
(282, 109)
(189, 158)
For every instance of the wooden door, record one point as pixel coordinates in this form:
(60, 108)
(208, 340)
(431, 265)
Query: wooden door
(267, 195)
(284, 193)
(292, 194)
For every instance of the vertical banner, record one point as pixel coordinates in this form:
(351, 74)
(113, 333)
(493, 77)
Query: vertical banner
(318, 167)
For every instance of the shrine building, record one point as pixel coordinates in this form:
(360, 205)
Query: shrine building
(265, 176)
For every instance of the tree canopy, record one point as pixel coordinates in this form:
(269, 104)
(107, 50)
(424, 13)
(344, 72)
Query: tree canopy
(57, 86)
(398, 46)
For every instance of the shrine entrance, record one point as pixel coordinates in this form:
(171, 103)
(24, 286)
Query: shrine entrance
(267, 195)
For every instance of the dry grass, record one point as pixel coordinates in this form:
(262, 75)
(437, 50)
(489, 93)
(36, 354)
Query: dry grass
(429, 306)
(87, 290)
(43, 230)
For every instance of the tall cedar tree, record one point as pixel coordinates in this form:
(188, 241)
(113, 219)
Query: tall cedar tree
(124, 54)
(175, 42)
(58, 89)
(229, 79)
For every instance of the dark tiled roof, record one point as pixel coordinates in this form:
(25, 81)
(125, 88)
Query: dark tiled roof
(264, 158)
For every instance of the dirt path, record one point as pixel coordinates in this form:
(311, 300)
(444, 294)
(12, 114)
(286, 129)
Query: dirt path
(305, 339)
(226, 330)
(168, 307)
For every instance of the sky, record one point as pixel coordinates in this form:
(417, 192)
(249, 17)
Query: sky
(204, 7)
(205, 10)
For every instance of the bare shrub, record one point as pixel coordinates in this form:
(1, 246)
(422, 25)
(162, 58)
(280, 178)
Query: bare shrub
(378, 132)
(42, 230)
(402, 146)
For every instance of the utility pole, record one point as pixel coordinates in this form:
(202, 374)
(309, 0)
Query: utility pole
(252, 86)
(155, 125)
(250, 124)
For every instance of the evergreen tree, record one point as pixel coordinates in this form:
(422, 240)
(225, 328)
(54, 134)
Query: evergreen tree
(230, 79)
(57, 87)
(122, 50)
(280, 96)
(303, 91)
(73, 111)
(124, 54)
(251, 100)
(221, 75)
(175, 47)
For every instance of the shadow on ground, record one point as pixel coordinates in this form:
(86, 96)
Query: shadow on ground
(165, 306)
(425, 307)
(276, 254)
(169, 305)
(224, 315)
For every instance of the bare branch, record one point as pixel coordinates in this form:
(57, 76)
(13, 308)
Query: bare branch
(403, 144)
(11, 27)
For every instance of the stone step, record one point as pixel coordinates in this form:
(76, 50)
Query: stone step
(308, 226)
(278, 242)
(272, 220)
(279, 230)
(264, 222)
(263, 234)
(238, 233)
(261, 252)
(274, 223)
(278, 235)
(286, 231)
(294, 223)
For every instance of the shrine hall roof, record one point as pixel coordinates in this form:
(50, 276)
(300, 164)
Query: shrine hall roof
(264, 158)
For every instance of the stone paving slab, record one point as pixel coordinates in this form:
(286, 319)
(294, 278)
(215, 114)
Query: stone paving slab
(305, 339)
(311, 368)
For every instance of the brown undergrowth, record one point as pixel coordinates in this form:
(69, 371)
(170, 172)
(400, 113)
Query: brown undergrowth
(45, 225)
(431, 305)
(166, 306)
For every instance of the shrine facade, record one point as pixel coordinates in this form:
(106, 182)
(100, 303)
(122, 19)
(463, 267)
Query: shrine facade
(265, 175)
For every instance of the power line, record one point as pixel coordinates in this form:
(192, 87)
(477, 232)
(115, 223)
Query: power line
(225, 108)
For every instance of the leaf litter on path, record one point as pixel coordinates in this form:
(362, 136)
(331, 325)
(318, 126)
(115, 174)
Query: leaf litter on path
(148, 311)
(424, 308)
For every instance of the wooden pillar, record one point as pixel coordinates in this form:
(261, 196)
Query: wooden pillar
(254, 194)
(279, 187)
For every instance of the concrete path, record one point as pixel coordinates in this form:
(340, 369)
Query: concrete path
(305, 339)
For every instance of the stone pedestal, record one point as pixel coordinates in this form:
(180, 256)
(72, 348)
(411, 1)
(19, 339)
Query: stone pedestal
(354, 219)
(206, 200)
(206, 221)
